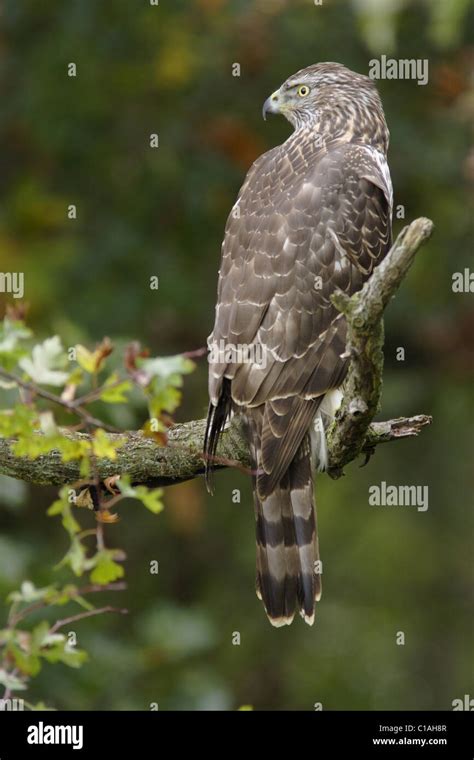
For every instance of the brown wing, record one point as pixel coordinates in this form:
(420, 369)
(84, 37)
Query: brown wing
(307, 222)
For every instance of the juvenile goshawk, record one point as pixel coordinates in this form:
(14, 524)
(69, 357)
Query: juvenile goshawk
(313, 216)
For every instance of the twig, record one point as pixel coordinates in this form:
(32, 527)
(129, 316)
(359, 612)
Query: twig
(70, 406)
(81, 615)
(92, 588)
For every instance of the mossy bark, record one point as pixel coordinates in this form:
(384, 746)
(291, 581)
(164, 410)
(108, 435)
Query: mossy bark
(352, 433)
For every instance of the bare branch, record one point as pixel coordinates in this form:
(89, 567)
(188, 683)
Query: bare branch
(92, 588)
(81, 615)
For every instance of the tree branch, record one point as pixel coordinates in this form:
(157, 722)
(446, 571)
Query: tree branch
(351, 434)
(364, 344)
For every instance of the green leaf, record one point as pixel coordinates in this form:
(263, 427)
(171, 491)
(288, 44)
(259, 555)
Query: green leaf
(151, 498)
(104, 447)
(70, 449)
(58, 597)
(27, 663)
(114, 392)
(22, 422)
(39, 636)
(86, 359)
(63, 507)
(65, 653)
(70, 523)
(34, 445)
(106, 569)
(54, 647)
(166, 378)
(19, 421)
(56, 508)
(163, 400)
(75, 557)
(76, 377)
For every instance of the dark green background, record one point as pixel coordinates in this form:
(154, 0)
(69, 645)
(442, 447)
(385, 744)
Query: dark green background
(144, 212)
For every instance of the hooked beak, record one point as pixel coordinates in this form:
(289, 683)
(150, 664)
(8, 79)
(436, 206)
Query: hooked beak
(272, 104)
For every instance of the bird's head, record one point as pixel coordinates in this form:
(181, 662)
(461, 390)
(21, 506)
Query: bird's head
(327, 92)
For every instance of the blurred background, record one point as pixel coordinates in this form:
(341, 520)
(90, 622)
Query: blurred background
(167, 69)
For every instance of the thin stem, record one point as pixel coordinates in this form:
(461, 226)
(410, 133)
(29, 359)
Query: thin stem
(70, 406)
(81, 615)
(89, 589)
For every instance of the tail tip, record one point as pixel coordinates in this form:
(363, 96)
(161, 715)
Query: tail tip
(309, 619)
(279, 622)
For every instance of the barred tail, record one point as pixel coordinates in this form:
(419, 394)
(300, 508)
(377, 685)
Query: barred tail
(288, 569)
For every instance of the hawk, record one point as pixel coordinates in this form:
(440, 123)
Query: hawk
(312, 217)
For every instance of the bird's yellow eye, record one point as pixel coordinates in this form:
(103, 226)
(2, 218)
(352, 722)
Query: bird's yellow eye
(303, 90)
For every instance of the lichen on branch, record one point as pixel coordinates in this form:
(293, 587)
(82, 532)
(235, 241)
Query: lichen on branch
(144, 460)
